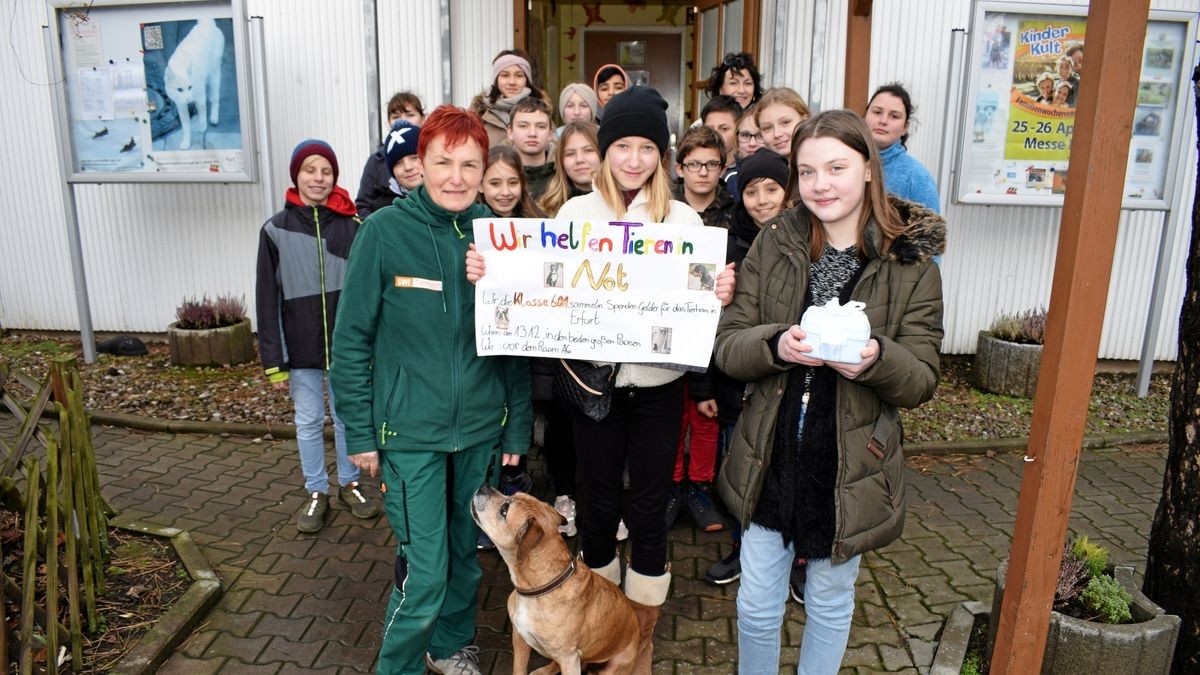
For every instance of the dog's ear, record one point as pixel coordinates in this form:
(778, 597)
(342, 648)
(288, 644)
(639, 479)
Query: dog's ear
(528, 537)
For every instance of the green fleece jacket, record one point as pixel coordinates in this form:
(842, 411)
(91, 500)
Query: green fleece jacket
(405, 374)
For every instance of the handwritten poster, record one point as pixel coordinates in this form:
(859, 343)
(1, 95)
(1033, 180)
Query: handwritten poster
(1026, 70)
(598, 290)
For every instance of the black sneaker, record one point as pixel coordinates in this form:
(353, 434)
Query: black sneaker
(360, 505)
(704, 512)
(674, 503)
(725, 570)
(312, 514)
(796, 583)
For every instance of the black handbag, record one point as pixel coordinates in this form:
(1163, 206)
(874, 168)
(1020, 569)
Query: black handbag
(585, 387)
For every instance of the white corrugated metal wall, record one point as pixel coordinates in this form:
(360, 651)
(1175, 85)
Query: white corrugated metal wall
(479, 29)
(410, 51)
(146, 246)
(36, 289)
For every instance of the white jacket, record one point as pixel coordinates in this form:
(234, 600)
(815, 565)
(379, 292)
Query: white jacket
(593, 206)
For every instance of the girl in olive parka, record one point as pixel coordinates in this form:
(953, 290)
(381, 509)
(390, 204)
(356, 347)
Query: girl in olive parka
(815, 467)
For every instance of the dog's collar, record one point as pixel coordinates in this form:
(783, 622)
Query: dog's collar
(547, 588)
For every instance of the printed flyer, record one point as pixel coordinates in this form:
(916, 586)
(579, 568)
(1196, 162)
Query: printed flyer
(1026, 74)
(598, 290)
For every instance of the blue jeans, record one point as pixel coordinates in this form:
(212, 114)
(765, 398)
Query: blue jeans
(308, 387)
(761, 599)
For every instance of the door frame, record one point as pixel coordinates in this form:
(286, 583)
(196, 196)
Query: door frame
(665, 30)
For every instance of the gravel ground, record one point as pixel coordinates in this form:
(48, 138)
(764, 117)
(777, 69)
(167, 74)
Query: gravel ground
(150, 385)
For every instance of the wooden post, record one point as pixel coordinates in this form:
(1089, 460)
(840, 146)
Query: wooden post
(858, 55)
(1115, 34)
(520, 20)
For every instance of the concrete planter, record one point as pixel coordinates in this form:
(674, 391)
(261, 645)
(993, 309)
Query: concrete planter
(1078, 647)
(223, 346)
(1008, 368)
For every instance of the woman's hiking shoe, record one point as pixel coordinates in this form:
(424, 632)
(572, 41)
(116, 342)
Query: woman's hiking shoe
(726, 570)
(462, 662)
(312, 514)
(703, 510)
(360, 506)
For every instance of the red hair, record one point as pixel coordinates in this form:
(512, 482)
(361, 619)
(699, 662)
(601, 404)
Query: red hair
(457, 126)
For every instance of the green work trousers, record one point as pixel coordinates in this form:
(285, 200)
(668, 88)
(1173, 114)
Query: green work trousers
(433, 602)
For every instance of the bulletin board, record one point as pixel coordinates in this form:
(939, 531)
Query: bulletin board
(153, 91)
(1025, 65)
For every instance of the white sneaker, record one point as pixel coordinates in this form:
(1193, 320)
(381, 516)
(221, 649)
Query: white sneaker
(566, 508)
(622, 531)
(462, 662)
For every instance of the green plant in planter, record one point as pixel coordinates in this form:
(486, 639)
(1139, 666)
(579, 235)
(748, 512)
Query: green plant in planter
(1108, 598)
(1084, 583)
(1094, 556)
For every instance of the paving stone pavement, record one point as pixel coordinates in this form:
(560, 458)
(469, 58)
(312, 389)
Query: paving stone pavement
(314, 603)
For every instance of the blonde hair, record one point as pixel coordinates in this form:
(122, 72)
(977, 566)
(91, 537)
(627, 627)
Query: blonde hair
(558, 190)
(781, 96)
(657, 187)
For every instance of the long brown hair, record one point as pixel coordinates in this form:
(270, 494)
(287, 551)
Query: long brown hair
(558, 190)
(846, 127)
(506, 154)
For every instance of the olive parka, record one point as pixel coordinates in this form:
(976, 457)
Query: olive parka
(902, 289)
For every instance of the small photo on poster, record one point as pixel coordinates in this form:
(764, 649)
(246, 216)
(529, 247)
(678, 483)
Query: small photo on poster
(1058, 184)
(986, 103)
(108, 145)
(631, 53)
(1159, 58)
(1143, 156)
(1154, 93)
(1147, 121)
(639, 78)
(1035, 177)
(997, 46)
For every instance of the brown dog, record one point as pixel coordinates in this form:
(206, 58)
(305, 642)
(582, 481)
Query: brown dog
(560, 607)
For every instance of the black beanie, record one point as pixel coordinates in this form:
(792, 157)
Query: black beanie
(639, 111)
(401, 142)
(762, 164)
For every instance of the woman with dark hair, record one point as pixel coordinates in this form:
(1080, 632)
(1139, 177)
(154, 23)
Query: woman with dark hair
(889, 117)
(815, 468)
(417, 401)
(512, 80)
(736, 77)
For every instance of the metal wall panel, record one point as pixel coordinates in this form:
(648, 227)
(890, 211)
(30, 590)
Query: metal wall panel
(410, 51)
(479, 29)
(1002, 258)
(36, 288)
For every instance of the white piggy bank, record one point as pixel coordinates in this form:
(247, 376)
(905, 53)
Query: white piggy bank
(837, 332)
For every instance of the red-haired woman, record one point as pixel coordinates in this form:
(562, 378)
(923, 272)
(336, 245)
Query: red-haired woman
(419, 404)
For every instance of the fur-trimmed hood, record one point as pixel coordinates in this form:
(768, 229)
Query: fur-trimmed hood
(926, 235)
